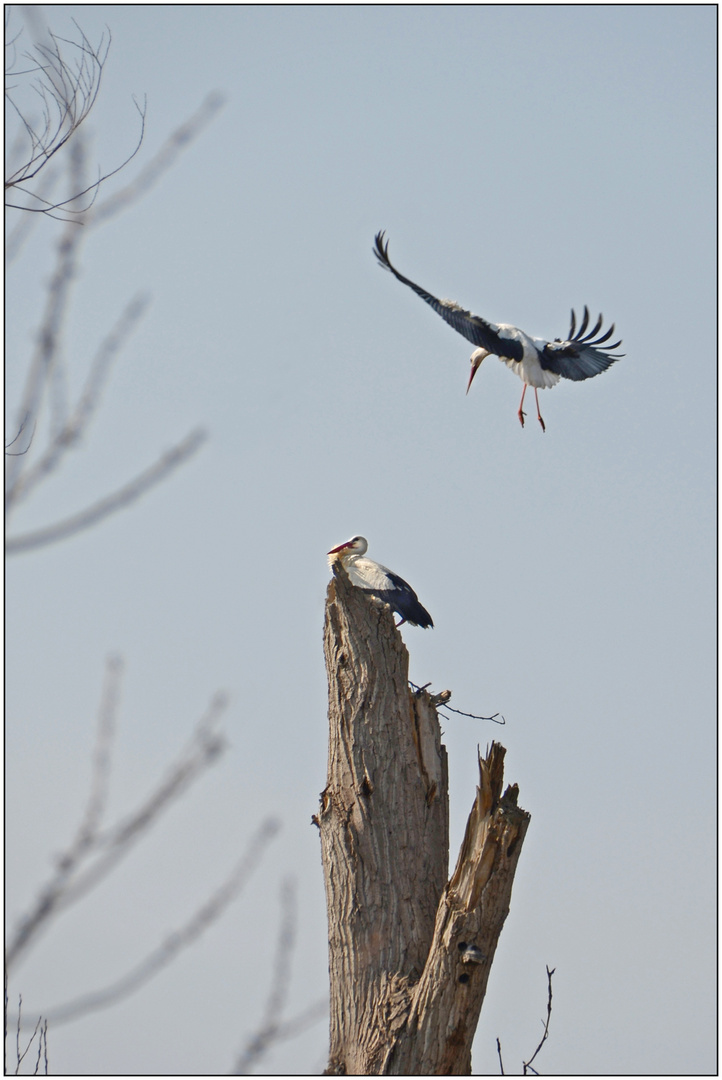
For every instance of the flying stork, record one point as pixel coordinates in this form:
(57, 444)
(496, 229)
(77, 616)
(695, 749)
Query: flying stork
(537, 362)
(374, 578)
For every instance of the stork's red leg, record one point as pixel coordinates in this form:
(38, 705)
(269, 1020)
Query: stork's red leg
(522, 414)
(538, 414)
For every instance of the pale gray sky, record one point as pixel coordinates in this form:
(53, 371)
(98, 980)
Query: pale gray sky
(524, 160)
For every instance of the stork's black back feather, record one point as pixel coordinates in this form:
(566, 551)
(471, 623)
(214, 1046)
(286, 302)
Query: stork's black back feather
(404, 601)
(475, 329)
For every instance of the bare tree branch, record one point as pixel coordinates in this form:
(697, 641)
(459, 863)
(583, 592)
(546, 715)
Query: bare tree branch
(289, 1029)
(19, 233)
(159, 164)
(64, 76)
(31, 1040)
(75, 874)
(272, 1029)
(67, 90)
(204, 747)
(527, 1064)
(79, 191)
(17, 1031)
(178, 940)
(278, 993)
(100, 778)
(56, 371)
(125, 495)
(12, 442)
(48, 346)
(42, 1048)
(76, 425)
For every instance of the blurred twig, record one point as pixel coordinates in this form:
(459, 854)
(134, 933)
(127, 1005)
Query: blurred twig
(272, 1028)
(76, 424)
(94, 852)
(48, 348)
(65, 77)
(101, 765)
(176, 941)
(125, 495)
(161, 161)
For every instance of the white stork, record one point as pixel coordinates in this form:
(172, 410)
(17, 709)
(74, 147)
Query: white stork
(374, 578)
(537, 362)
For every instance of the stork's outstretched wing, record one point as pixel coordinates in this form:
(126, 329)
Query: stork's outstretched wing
(475, 329)
(581, 356)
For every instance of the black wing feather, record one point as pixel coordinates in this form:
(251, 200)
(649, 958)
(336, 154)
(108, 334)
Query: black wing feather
(472, 327)
(404, 601)
(581, 356)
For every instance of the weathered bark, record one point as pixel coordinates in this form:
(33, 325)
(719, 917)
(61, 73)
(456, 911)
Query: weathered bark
(405, 993)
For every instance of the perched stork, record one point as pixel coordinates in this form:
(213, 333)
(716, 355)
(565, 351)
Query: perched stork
(374, 578)
(537, 362)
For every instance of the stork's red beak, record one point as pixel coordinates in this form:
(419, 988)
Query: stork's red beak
(475, 365)
(341, 547)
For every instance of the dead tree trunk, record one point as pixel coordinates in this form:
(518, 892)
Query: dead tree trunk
(409, 952)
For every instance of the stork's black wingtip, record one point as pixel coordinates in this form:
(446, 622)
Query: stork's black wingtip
(423, 619)
(572, 325)
(381, 249)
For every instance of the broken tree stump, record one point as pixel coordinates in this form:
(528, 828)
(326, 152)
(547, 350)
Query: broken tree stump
(409, 951)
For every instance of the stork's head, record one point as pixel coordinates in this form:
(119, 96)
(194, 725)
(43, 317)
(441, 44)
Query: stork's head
(476, 357)
(357, 545)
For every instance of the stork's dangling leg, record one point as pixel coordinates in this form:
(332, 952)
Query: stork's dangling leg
(520, 413)
(538, 414)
